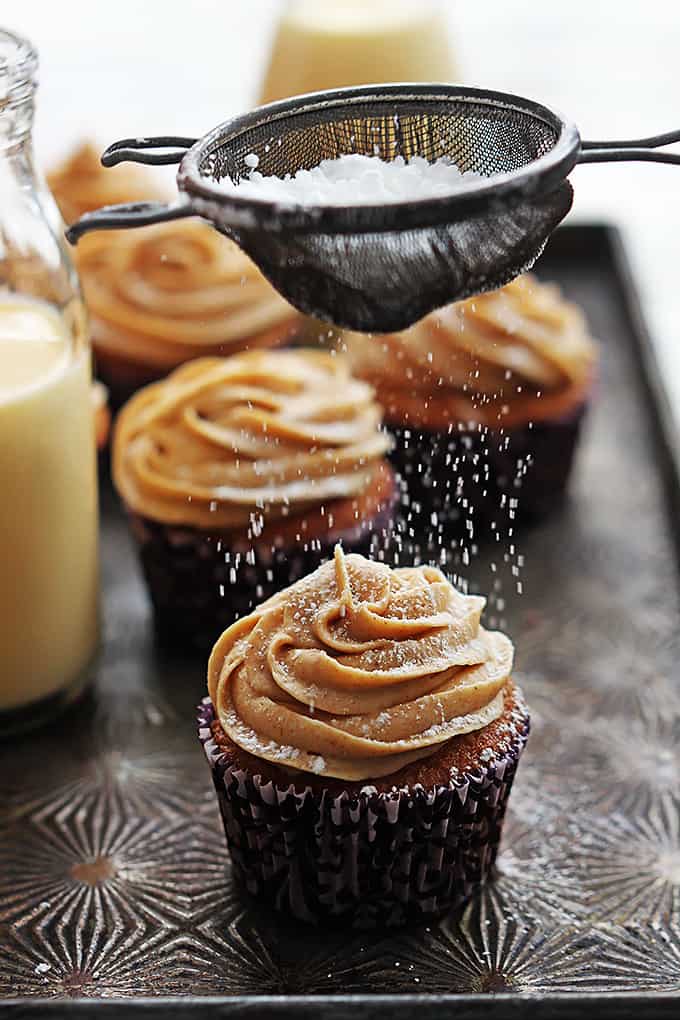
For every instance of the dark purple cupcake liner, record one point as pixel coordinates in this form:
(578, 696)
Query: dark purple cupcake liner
(468, 482)
(365, 859)
(200, 583)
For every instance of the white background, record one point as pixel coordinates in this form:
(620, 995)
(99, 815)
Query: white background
(112, 68)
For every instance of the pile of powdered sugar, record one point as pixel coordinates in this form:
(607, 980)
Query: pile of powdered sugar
(353, 180)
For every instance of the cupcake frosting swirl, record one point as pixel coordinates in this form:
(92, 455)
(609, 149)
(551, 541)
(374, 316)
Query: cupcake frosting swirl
(234, 442)
(358, 669)
(519, 353)
(163, 294)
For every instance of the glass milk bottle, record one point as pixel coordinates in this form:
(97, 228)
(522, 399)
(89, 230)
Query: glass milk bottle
(48, 482)
(327, 44)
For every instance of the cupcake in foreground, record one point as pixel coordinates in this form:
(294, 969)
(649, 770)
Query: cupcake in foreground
(162, 295)
(363, 732)
(486, 398)
(240, 474)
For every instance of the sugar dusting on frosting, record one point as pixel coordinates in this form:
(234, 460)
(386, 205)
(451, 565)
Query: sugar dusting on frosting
(285, 755)
(360, 668)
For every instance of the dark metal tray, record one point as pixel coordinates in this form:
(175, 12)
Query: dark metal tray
(114, 891)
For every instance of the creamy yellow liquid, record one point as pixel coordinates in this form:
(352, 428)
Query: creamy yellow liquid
(48, 507)
(322, 44)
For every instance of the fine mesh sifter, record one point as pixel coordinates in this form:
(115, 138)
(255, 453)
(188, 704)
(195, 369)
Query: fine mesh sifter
(379, 268)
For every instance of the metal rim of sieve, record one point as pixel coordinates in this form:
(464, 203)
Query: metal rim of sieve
(199, 196)
(539, 176)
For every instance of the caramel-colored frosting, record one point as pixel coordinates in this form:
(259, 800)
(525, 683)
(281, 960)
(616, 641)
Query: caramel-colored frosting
(161, 295)
(514, 355)
(228, 442)
(81, 184)
(358, 669)
(102, 416)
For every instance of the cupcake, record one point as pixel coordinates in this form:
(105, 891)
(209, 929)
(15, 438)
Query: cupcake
(486, 399)
(81, 184)
(102, 416)
(239, 476)
(162, 295)
(363, 732)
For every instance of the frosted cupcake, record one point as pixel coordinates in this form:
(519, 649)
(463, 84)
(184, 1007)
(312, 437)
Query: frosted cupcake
(486, 399)
(102, 416)
(240, 475)
(81, 184)
(162, 295)
(363, 732)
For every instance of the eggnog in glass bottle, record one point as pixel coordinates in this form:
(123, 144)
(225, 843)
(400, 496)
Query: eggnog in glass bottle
(326, 44)
(49, 619)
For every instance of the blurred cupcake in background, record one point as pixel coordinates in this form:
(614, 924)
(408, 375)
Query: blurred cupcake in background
(485, 398)
(102, 415)
(240, 475)
(80, 184)
(162, 295)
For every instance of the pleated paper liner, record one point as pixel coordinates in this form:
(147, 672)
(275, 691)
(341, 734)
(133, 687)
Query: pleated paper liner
(366, 855)
(200, 582)
(470, 483)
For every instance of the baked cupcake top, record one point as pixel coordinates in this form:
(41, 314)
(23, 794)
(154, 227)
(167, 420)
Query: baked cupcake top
(81, 184)
(514, 355)
(102, 415)
(357, 670)
(161, 295)
(237, 442)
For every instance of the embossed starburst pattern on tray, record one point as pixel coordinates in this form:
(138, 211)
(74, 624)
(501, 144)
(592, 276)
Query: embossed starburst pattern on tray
(114, 877)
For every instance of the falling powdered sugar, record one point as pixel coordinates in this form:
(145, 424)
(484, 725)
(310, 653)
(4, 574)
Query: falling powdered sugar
(353, 180)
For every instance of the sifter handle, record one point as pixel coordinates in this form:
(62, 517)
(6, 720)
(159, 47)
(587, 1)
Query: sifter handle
(130, 214)
(134, 150)
(639, 149)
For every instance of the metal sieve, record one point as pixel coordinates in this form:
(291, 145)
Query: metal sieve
(380, 268)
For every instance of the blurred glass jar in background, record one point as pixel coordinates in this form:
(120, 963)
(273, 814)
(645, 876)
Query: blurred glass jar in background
(49, 619)
(324, 44)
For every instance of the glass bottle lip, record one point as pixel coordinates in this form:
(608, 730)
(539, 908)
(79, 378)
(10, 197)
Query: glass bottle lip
(18, 68)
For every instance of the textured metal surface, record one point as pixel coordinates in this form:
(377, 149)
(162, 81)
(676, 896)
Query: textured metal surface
(113, 871)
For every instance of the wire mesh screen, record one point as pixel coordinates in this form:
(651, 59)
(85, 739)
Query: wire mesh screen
(481, 137)
(379, 283)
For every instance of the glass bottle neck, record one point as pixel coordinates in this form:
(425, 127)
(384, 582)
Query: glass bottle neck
(34, 263)
(18, 68)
